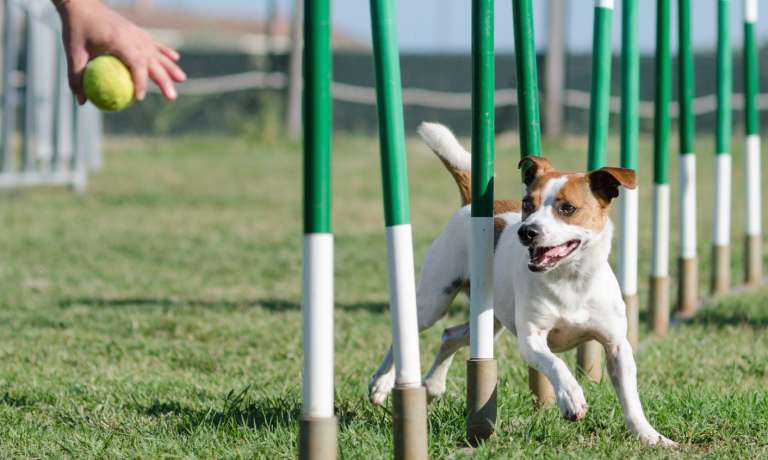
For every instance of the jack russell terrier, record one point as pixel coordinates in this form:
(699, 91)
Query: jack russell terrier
(553, 286)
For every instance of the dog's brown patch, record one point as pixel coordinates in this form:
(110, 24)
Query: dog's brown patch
(463, 181)
(591, 212)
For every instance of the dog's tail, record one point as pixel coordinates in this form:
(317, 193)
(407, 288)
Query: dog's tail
(456, 159)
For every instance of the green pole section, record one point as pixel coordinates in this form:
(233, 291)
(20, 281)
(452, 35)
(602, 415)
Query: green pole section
(482, 108)
(390, 108)
(663, 95)
(686, 81)
(724, 81)
(527, 83)
(630, 85)
(601, 86)
(317, 117)
(751, 81)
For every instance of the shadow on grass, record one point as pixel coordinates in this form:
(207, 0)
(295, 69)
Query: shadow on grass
(171, 302)
(238, 410)
(731, 318)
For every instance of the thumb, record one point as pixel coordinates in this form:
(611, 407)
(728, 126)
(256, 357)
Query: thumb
(77, 59)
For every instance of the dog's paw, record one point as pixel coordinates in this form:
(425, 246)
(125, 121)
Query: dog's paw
(380, 387)
(657, 440)
(434, 388)
(572, 404)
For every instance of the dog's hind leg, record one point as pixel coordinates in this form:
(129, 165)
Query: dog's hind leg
(454, 339)
(443, 274)
(432, 307)
(383, 380)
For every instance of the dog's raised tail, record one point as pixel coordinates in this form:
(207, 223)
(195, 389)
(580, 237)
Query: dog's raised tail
(456, 159)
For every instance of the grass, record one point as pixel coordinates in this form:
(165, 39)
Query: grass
(158, 316)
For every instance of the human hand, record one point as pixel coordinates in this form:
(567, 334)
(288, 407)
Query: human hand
(90, 29)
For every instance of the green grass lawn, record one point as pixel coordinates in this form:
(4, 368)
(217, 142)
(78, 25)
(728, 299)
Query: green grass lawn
(158, 316)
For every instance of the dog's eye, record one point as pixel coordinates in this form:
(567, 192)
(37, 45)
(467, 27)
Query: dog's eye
(567, 209)
(528, 206)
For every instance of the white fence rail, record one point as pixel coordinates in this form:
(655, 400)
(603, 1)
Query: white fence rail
(346, 92)
(56, 142)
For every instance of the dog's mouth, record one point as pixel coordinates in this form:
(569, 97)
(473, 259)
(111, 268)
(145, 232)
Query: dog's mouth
(546, 258)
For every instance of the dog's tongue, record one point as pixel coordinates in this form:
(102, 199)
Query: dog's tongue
(545, 256)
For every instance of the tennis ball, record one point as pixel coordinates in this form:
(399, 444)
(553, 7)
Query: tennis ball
(108, 84)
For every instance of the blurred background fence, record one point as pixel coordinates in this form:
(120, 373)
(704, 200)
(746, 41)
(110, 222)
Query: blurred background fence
(245, 80)
(241, 76)
(45, 137)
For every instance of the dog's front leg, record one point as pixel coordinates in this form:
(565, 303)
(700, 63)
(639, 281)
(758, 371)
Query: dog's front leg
(535, 351)
(623, 372)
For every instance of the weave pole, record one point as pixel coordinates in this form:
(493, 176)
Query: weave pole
(530, 132)
(628, 204)
(481, 366)
(688, 278)
(659, 294)
(753, 243)
(721, 232)
(589, 355)
(317, 426)
(409, 406)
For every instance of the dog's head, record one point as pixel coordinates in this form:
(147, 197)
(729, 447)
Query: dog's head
(564, 213)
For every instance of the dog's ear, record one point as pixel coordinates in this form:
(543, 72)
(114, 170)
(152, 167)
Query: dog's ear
(605, 182)
(533, 167)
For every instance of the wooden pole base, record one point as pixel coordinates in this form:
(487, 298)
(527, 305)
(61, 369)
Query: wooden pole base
(541, 388)
(317, 438)
(481, 399)
(409, 422)
(633, 319)
(721, 270)
(589, 360)
(688, 288)
(753, 260)
(658, 305)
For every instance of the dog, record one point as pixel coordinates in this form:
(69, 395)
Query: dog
(553, 286)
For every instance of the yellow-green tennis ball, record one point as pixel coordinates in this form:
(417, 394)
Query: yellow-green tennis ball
(108, 84)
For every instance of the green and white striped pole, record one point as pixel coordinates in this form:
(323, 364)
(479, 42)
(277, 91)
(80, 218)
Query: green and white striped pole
(481, 366)
(753, 253)
(317, 426)
(628, 204)
(659, 296)
(589, 356)
(409, 408)
(688, 278)
(530, 132)
(721, 260)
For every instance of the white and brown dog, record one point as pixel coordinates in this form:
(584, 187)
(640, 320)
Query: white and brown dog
(553, 286)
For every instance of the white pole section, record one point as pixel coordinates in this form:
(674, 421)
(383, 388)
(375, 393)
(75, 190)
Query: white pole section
(722, 224)
(660, 255)
(687, 206)
(402, 289)
(318, 325)
(481, 283)
(628, 210)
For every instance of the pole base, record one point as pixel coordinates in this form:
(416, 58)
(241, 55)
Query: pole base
(721, 270)
(658, 305)
(753, 260)
(481, 399)
(633, 319)
(317, 438)
(688, 289)
(541, 388)
(409, 420)
(589, 360)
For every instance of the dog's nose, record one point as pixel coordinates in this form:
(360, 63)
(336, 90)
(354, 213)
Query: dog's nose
(527, 233)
